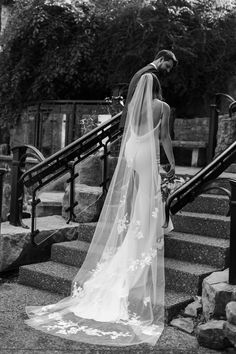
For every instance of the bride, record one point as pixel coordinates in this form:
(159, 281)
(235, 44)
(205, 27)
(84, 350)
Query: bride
(117, 296)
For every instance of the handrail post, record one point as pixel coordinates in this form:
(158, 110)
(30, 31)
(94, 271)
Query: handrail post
(232, 108)
(213, 128)
(17, 189)
(2, 171)
(71, 180)
(37, 130)
(232, 250)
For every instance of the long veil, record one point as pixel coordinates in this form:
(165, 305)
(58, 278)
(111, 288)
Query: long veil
(117, 296)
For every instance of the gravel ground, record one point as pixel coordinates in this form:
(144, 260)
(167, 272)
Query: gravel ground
(16, 337)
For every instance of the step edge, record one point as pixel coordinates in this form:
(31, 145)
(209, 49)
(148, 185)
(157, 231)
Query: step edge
(196, 239)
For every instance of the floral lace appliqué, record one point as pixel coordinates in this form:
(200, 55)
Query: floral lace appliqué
(137, 229)
(155, 213)
(44, 309)
(151, 330)
(122, 201)
(54, 316)
(146, 259)
(122, 224)
(76, 290)
(69, 327)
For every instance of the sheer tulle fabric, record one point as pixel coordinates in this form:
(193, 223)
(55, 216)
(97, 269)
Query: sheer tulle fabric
(117, 296)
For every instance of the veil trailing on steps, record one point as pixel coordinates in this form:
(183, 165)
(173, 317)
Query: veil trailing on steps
(117, 296)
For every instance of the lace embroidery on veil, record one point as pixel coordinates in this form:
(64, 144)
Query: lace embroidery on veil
(117, 296)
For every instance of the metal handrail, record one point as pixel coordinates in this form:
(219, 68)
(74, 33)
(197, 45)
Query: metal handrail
(75, 150)
(202, 182)
(224, 95)
(2, 172)
(193, 187)
(102, 102)
(64, 161)
(20, 153)
(232, 108)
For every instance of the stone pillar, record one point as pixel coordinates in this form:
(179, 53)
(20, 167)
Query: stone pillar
(219, 312)
(226, 134)
(230, 324)
(216, 293)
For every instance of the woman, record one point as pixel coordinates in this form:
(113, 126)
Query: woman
(117, 296)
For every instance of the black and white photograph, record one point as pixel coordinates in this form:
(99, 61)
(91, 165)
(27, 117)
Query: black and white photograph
(117, 176)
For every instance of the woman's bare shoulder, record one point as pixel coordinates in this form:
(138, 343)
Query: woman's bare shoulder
(158, 104)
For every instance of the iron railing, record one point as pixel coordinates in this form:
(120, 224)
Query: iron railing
(68, 107)
(202, 182)
(57, 165)
(20, 154)
(2, 172)
(232, 108)
(232, 248)
(65, 160)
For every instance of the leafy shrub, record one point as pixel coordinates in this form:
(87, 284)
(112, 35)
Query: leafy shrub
(55, 50)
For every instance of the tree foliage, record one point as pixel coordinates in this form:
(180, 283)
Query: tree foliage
(80, 49)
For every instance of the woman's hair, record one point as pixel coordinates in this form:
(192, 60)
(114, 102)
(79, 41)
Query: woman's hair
(156, 88)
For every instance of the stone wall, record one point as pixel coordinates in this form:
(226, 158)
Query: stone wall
(196, 129)
(226, 134)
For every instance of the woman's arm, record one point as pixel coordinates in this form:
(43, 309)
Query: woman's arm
(166, 140)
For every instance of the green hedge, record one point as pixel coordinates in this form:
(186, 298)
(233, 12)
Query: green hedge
(52, 50)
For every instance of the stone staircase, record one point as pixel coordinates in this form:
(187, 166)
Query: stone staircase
(198, 246)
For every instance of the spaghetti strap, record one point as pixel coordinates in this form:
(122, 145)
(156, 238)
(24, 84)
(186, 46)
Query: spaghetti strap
(162, 110)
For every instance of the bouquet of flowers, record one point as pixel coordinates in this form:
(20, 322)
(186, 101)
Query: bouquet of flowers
(170, 185)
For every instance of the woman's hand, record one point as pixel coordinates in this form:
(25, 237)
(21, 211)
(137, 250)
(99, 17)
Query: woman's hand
(170, 171)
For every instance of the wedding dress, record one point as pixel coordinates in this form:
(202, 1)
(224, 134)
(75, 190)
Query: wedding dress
(117, 296)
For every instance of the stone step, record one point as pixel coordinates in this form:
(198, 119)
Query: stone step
(213, 225)
(180, 276)
(51, 203)
(15, 241)
(221, 181)
(72, 253)
(197, 249)
(217, 226)
(57, 277)
(191, 171)
(209, 204)
(231, 168)
(187, 247)
(185, 276)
